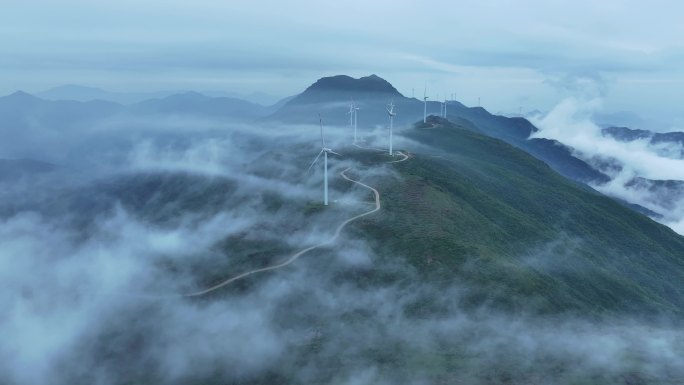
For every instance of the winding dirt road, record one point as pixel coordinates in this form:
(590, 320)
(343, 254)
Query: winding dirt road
(294, 257)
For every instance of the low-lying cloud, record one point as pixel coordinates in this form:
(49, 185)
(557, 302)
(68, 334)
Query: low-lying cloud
(570, 123)
(100, 299)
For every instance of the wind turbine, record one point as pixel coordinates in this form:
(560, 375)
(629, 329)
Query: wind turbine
(351, 114)
(356, 112)
(445, 106)
(392, 114)
(425, 98)
(324, 151)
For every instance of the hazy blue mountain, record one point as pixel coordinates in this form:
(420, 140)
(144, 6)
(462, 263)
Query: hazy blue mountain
(84, 94)
(626, 134)
(261, 98)
(21, 109)
(665, 193)
(279, 104)
(198, 105)
(517, 130)
(667, 144)
(332, 96)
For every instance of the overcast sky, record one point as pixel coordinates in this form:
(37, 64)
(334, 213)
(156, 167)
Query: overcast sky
(528, 54)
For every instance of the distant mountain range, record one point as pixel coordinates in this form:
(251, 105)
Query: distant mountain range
(196, 104)
(330, 97)
(629, 135)
(84, 94)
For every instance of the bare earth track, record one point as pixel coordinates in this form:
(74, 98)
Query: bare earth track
(296, 256)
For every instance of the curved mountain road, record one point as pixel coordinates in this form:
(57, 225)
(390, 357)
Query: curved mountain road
(294, 257)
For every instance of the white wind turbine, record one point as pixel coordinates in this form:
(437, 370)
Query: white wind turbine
(392, 114)
(355, 110)
(445, 106)
(324, 151)
(425, 98)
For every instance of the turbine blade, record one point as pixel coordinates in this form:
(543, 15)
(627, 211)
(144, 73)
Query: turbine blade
(314, 161)
(333, 152)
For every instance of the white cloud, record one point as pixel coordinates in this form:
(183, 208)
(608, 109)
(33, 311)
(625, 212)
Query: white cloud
(570, 123)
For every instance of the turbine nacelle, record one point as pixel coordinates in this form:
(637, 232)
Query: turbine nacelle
(390, 110)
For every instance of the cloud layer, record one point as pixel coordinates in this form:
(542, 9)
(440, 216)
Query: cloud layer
(95, 257)
(570, 123)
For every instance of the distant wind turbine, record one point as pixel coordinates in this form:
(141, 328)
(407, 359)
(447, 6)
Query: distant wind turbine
(352, 117)
(425, 98)
(392, 114)
(324, 151)
(356, 114)
(445, 106)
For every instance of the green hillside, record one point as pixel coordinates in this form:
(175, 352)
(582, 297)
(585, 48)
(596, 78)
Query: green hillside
(481, 212)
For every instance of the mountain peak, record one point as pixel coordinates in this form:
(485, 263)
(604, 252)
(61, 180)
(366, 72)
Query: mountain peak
(22, 97)
(22, 94)
(344, 83)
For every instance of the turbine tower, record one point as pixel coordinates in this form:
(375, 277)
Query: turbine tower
(392, 114)
(445, 106)
(324, 151)
(356, 113)
(425, 98)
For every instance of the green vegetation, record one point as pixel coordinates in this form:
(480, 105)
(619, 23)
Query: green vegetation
(486, 214)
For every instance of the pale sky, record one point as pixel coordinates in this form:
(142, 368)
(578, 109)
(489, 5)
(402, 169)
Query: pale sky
(512, 54)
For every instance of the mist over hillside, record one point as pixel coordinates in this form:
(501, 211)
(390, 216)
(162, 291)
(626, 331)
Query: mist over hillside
(645, 168)
(119, 213)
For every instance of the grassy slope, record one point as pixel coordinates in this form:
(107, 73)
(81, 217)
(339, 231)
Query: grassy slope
(485, 213)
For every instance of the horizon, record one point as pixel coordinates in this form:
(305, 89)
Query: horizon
(264, 99)
(512, 56)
